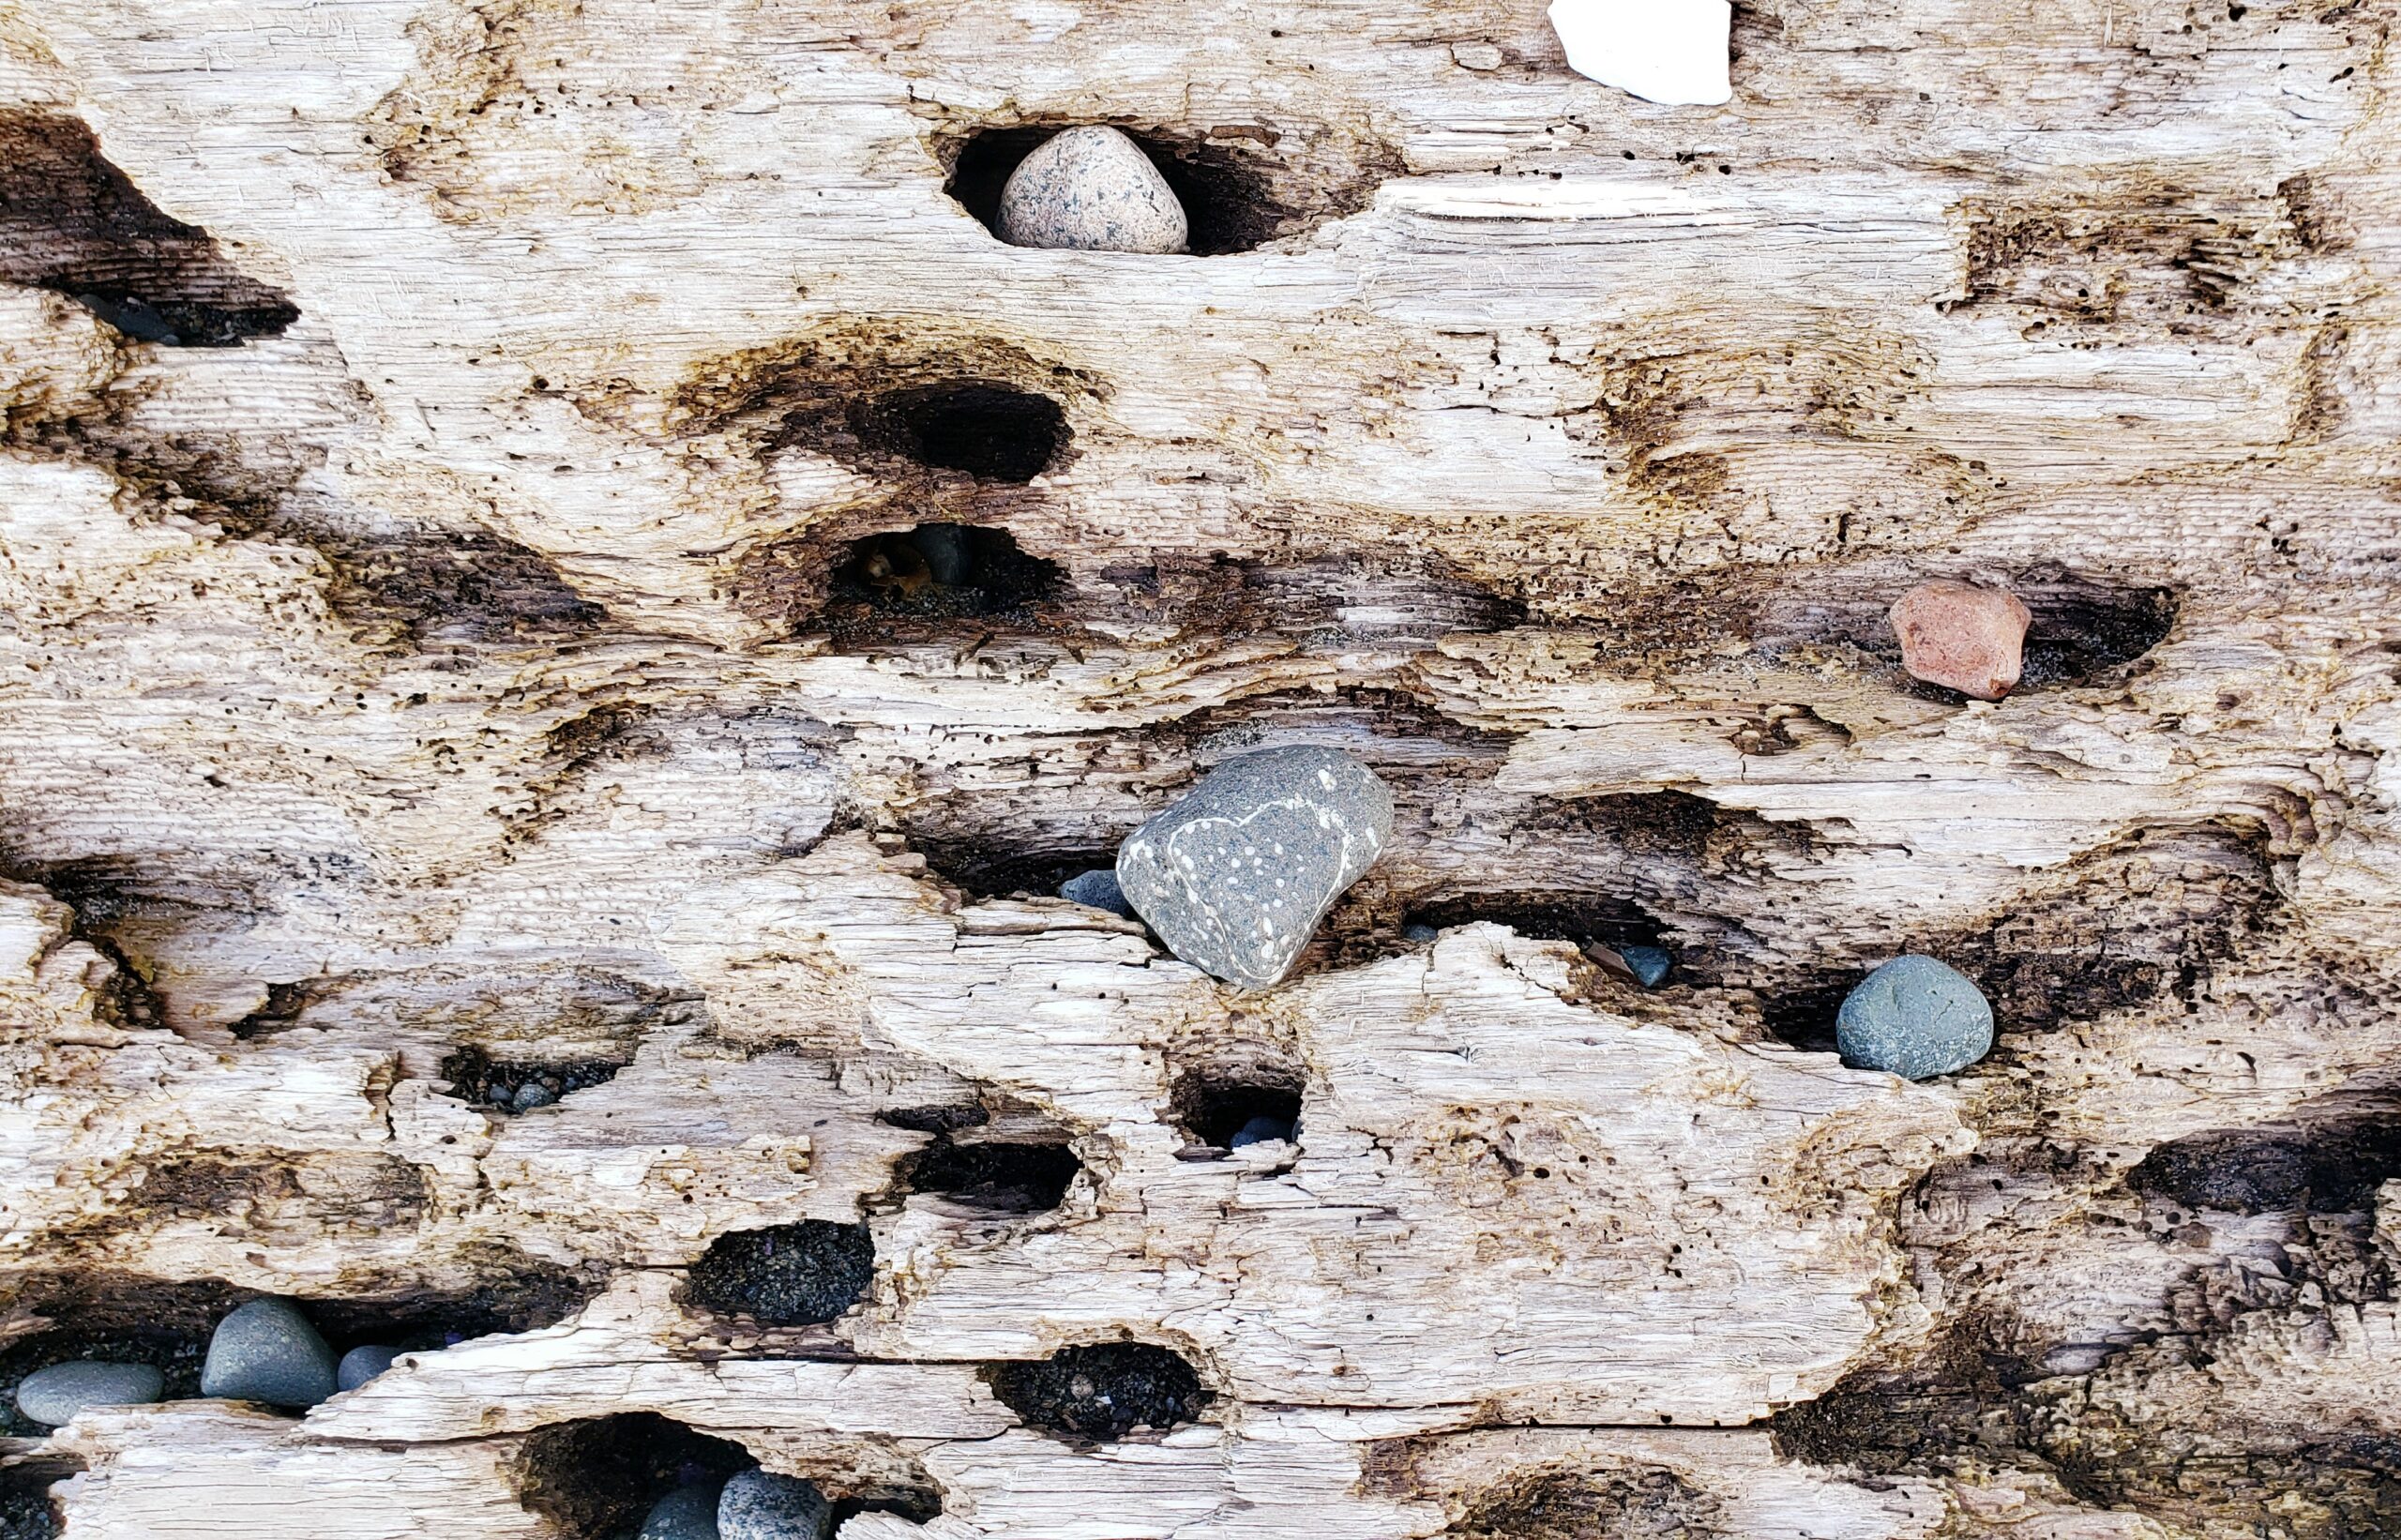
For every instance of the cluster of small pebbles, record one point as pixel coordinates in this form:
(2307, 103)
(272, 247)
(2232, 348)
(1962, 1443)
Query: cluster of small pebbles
(266, 1350)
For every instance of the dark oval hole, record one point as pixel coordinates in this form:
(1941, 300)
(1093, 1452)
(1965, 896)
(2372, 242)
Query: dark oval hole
(1003, 1177)
(520, 1085)
(1802, 1014)
(1102, 1392)
(795, 1275)
(1213, 1105)
(987, 429)
(945, 570)
(597, 1479)
(1226, 197)
(2333, 1165)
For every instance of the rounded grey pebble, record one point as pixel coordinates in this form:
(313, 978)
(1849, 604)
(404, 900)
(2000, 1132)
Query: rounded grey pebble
(1098, 889)
(1090, 190)
(1419, 933)
(1916, 1018)
(1264, 1131)
(266, 1351)
(54, 1395)
(533, 1093)
(687, 1513)
(360, 1365)
(763, 1505)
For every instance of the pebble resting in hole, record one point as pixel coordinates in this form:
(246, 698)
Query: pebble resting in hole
(1235, 877)
(1090, 190)
(1964, 638)
(266, 1351)
(752, 1505)
(360, 1365)
(1098, 889)
(56, 1394)
(1264, 1130)
(1916, 1018)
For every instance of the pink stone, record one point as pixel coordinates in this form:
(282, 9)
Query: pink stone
(1969, 639)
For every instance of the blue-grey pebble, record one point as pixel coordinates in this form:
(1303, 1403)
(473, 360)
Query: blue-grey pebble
(1263, 1130)
(949, 550)
(531, 1095)
(266, 1351)
(1916, 1018)
(1650, 964)
(360, 1365)
(1235, 877)
(764, 1505)
(1419, 934)
(1098, 889)
(687, 1513)
(54, 1395)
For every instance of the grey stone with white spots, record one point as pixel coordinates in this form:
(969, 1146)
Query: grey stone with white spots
(1090, 190)
(266, 1351)
(764, 1505)
(54, 1395)
(360, 1365)
(1235, 877)
(687, 1513)
(1916, 1018)
(1098, 889)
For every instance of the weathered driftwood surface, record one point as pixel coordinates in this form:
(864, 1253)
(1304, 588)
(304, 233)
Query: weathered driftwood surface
(451, 653)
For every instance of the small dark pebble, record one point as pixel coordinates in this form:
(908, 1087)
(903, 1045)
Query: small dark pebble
(687, 1513)
(1264, 1131)
(268, 1351)
(360, 1365)
(131, 317)
(1098, 889)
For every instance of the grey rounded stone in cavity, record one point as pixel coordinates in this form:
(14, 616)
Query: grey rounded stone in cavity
(1916, 1018)
(266, 1351)
(531, 1095)
(1098, 889)
(1235, 877)
(687, 1513)
(360, 1365)
(1090, 190)
(54, 1395)
(1264, 1131)
(1419, 934)
(763, 1505)
(949, 550)
(1649, 964)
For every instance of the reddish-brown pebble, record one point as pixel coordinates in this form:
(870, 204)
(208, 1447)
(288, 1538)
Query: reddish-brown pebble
(1971, 639)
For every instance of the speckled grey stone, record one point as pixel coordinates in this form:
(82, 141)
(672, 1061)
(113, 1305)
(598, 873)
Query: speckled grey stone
(1098, 889)
(687, 1513)
(1419, 934)
(1916, 1018)
(1235, 877)
(1090, 190)
(763, 1505)
(360, 1365)
(266, 1351)
(531, 1095)
(1650, 965)
(54, 1395)
(1264, 1131)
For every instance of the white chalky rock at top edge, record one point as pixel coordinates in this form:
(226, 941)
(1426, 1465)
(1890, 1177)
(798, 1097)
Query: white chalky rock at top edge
(1674, 52)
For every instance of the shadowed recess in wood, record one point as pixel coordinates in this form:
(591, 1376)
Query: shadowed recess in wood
(1103, 1392)
(71, 222)
(795, 1275)
(595, 1478)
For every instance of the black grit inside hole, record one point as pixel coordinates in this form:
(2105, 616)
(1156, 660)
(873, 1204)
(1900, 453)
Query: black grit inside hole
(1226, 194)
(1102, 1392)
(988, 869)
(1004, 1177)
(72, 223)
(597, 1479)
(2080, 630)
(26, 1512)
(795, 1275)
(520, 1086)
(943, 570)
(990, 430)
(2331, 1165)
(1213, 1105)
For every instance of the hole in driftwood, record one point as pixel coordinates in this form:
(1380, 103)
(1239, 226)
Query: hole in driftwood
(2332, 1165)
(991, 868)
(1227, 193)
(940, 571)
(1802, 1014)
(72, 223)
(1102, 1392)
(1213, 1103)
(519, 1085)
(1006, 1177)
(987, 430)
(942, 1117)
(597, 1479)
(1583, 919)
(26, 1511)
(795, 1275)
